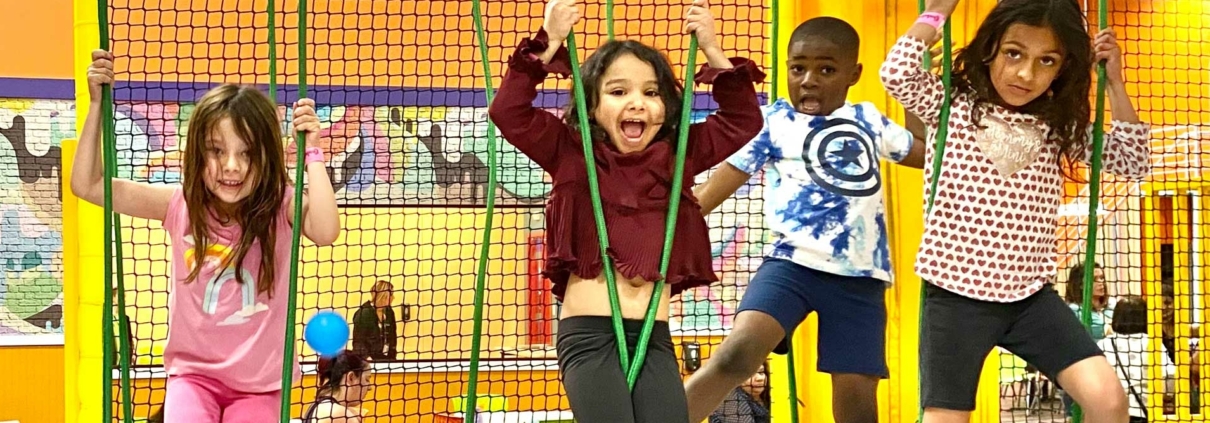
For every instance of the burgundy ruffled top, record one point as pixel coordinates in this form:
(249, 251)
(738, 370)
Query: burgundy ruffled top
(634, 187)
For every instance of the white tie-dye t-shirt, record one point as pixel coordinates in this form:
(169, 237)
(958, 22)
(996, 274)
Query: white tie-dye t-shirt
(823, 186)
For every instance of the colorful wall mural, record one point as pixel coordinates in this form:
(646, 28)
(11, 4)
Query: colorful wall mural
(31, 221)
(405, 158)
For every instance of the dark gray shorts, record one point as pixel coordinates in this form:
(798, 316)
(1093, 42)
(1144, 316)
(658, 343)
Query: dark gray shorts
(958, 333)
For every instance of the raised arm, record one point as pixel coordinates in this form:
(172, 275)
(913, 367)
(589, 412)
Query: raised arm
(903, 73)
(321, 219)
(130, 198)
(738, 118)
(540, 135)
(1127, 147)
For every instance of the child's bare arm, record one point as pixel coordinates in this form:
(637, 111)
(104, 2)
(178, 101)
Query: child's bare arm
(915, 157)
(721, 185)
(130, 198)
(321, 218)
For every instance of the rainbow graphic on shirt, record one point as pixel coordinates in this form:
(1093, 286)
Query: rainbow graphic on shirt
(215, 257)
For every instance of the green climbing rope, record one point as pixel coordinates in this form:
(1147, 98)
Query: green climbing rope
(938, 154)
(1094, 194)
(631, 368)
(594, 194)
(674, 203)
(113, 251)
(776, 41)
(773, 93)
(272, 50)
(300, 145)
(481, 277)
(609, 18)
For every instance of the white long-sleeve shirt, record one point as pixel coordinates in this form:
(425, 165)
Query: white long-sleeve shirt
(991, 234)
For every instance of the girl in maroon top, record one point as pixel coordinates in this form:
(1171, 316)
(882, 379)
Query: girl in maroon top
(634, 106)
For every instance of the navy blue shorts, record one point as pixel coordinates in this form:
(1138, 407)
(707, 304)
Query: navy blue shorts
(852, 313)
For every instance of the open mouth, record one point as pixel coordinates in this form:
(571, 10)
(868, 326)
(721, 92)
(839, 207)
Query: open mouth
(633, 130)
(810, 105)
(232, 184)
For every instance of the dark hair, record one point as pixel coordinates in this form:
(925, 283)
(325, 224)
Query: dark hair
(594, 68)
(1130, 316)
(765, 397)
(1075, 284)
(254, 117)
(831, 29)
(1066, 111)
(157, 416)
(332, 371)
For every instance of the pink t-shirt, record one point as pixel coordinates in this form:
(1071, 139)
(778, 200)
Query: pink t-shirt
(220, 328)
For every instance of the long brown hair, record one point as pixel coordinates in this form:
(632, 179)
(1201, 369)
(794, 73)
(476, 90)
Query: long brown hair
(255, 119)
(593, 70)
(1066, 111)
(1075, 288)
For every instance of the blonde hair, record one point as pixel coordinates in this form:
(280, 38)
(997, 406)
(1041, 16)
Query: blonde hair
(381, 287)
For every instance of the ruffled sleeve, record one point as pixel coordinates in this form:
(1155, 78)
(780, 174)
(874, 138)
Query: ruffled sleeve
(540, 135)
(737, 121)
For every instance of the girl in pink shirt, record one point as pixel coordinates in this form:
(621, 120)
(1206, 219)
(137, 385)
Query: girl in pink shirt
(1020, 121)
(230, 228)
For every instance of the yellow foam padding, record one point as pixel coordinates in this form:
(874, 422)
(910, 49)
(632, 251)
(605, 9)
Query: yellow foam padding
(482, 403)
(898, 397)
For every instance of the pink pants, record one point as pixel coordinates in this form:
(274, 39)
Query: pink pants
(198, 399)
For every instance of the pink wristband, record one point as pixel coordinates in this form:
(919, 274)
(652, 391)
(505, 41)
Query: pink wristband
(313, 154)
(932, 19)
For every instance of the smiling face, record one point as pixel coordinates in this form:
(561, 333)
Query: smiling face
(229, 175)
(820, 74)
(630, 108)
(1027, 62)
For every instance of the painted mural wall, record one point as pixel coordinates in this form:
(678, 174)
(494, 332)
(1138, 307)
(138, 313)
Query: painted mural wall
(400, 157)
(412, 184)
(31, 220)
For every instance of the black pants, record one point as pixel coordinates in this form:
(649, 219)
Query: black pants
(596, 387)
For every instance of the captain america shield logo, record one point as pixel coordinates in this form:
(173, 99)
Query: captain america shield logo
(839, 155)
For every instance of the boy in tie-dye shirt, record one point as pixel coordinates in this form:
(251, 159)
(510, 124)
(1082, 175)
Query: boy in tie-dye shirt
(823, 204)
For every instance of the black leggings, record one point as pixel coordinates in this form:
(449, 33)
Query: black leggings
(596, 387)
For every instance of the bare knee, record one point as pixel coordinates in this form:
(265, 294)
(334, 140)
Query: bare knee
(1107, 404)
(748, 346)
(1094, 385)
(855, 398)
(941, 415)
(739, 359)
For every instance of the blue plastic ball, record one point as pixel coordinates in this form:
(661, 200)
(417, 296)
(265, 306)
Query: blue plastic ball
(326, 333)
